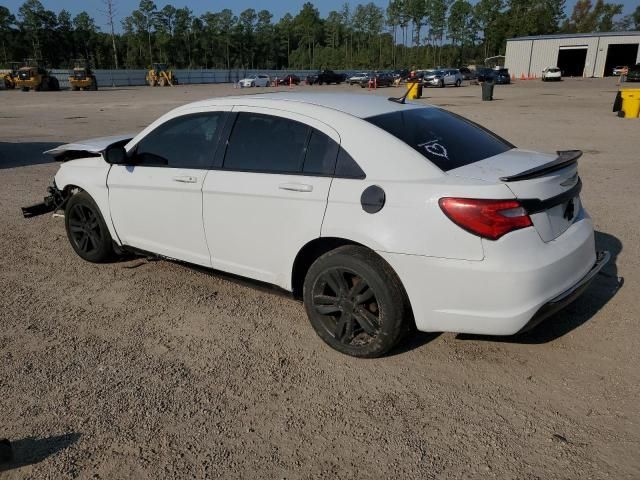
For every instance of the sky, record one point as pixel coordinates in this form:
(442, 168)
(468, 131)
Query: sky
(277, 7)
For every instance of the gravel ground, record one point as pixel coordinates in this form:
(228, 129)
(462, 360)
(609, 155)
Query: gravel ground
(152, 369)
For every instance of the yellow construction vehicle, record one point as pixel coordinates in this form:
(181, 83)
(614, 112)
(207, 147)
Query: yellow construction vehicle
(81, 77)
(10, 77)
(160, 75)
(32, 76)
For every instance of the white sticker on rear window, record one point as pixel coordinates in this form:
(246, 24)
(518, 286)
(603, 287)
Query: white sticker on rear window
(434, 148)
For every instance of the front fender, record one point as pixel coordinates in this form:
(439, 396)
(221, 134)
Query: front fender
(89, 174)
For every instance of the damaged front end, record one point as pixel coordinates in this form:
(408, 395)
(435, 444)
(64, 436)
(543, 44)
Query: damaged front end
(56, 200)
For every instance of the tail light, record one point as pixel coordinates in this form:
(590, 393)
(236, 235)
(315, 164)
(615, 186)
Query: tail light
(489, 219)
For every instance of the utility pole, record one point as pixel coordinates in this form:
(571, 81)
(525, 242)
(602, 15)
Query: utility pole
(110, 12)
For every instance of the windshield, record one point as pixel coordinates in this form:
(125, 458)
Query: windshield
(444, 138)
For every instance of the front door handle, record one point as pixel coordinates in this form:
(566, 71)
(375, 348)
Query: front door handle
(296, 187)
(185, 179)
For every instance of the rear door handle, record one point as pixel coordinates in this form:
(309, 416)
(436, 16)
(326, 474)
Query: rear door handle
(185, 179)
(296, 187)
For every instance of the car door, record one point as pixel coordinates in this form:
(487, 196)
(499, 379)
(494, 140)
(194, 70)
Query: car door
(156, 200)
(269, 197)
(449, 77)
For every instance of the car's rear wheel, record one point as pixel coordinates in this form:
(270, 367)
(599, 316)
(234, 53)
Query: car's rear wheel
(355, 302)
(86, 229)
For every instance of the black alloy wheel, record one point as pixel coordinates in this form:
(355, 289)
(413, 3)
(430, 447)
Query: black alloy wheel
(347, 305)
(355, 302)
(86, 229)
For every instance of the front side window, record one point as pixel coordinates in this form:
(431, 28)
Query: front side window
(265, 143)
(447, 140)
(189, 141)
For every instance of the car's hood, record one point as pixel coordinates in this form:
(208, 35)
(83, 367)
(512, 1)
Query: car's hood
(92, 146)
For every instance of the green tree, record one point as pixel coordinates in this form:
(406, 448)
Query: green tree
(461, 27)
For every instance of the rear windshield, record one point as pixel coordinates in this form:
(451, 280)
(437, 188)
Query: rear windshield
(444, 138)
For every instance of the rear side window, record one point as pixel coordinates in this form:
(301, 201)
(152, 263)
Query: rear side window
(447, 140)
(265, 143)
(184, 142)
(322, 153)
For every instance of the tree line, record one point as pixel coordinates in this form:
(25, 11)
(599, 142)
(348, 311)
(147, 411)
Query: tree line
(422, 33)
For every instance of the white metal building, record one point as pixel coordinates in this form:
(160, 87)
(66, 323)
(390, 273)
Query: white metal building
(577, 54)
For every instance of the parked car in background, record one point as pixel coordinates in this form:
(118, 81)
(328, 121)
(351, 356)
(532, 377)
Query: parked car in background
(357, 78)
(378, 80)
(289, 79)
(634, 73)
(461, 232)
(259, 80)
(551, 73)
(484, 73)
(402, 74)
(620, 70)
(468, 74)
(442, 78)
(326, 77)
(501, 76)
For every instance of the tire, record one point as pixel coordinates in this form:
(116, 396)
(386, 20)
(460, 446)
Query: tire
(360, 322)
(75, 89)
(441, 84)
(25, 89)
(458, 82)
(94, 84)
(86, 229)
(54, 85)
(162, 82)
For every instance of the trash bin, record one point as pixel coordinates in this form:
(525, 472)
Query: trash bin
(487, 90)
(630, 102)
(415, 89)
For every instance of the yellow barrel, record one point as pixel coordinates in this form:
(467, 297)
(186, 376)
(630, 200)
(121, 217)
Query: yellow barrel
(630, 102)
(414, 91)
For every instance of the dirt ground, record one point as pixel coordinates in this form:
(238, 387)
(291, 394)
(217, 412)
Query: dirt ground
(156, 370)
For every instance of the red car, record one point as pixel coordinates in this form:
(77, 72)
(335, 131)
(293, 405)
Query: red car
(289, 79)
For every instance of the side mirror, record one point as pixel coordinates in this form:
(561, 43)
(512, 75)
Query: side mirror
(116, 155)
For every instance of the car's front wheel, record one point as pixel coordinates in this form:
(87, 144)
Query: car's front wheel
(86, 229)
(355, 302)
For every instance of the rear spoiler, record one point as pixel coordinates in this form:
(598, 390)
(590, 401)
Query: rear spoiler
(565, 158)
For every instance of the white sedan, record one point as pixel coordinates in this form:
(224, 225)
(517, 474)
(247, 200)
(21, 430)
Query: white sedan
(260, 80)
(376, 213)
(551, 73)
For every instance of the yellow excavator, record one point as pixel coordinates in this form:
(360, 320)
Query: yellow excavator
(10, 77)
(31, 76)
(81, 77)
(160, 75)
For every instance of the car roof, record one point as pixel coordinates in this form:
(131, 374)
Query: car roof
(358, 105)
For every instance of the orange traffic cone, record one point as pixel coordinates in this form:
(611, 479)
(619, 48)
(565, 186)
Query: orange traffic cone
(522, 77)
(513, 77)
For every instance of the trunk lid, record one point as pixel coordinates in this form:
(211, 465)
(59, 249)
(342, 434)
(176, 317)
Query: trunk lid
(547, 185)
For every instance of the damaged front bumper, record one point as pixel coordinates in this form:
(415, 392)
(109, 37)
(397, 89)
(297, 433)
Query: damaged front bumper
(52, 202)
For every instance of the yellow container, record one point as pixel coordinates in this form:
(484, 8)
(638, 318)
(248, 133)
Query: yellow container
(630, 102)
(414, 91)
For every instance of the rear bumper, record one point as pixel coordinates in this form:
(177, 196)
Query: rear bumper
(520, 278)
(568, 296)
